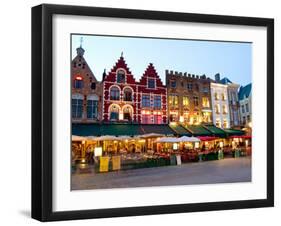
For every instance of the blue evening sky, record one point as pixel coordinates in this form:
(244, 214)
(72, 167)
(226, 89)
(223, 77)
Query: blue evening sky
(230, 59)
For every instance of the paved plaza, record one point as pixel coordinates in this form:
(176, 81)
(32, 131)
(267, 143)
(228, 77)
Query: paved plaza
(209, 172)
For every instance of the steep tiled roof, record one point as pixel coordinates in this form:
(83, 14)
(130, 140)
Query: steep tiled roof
(245, 91)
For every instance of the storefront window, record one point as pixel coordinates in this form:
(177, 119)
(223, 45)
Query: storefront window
(146, 119)
(157, 119)
(114, 113)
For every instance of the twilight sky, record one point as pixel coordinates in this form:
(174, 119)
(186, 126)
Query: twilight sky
(230, 59)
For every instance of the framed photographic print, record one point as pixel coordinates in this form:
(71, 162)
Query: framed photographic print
(145, 112)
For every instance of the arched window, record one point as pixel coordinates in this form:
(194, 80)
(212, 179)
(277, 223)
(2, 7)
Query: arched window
(92, 106)
(114, 93)
(128, 113)
(77, 106)
(114, 112)
(120, 76)
(78, 82)
(128, 94)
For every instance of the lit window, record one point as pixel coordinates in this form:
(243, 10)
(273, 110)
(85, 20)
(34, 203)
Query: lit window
(127, 111)
(205, 102)
(114, 113)
(146, 118)
(196, 101)
(77, 107)
(78, 82)
(157, 119)
(185, 101)
(173, 100)
(217, 108)
(222, 96)
(114, 93)
(151, 83)
(224, 123)
(157, 101)
(216, 96)
(145, 102)
(120, 76)
(218, 123)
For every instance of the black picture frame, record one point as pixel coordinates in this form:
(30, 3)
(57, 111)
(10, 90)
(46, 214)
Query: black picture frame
(42, 111)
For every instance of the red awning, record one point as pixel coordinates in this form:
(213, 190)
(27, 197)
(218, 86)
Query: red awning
(243, 136)
(207, 138)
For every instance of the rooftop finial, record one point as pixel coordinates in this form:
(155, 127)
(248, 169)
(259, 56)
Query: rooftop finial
(81, 42)
(122, 54)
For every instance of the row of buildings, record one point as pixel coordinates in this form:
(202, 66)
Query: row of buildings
(186, 98)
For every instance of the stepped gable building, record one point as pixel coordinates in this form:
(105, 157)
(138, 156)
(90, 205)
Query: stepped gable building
(152, 98)
(128, 101)
(86, 101)
(189, 98)
(120, 95)
(233, 101)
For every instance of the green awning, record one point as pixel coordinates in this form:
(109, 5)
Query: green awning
(216, 131)
(198, 130)
(234, 132)
(119, 129)
(180, 130)
(86, 129)
(160, 129)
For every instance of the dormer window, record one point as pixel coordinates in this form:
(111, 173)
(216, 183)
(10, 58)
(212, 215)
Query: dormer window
(120, 76)
(78, 82)
(151, 83)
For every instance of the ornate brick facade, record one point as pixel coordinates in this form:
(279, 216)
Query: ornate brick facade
(126, 100)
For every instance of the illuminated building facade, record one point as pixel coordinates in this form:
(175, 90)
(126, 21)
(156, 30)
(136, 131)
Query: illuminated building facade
(220, 105)
(233, 101)
(152, 98)
(128, 101)
(86, 102)
(189, 98)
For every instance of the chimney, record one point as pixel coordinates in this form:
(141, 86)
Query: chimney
(217, 77)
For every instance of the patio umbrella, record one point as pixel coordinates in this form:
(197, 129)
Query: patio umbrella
(104, 138)
(78, 138)
(207, 138)
(151, 135)
(188, 139)
(168, 140)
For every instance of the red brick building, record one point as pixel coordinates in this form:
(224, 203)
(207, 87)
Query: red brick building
(152, 98)
(125, 100)
(86, 91)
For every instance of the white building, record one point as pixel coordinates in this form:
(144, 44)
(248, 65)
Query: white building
(245, 101)
(220, 105)
(234, 110)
